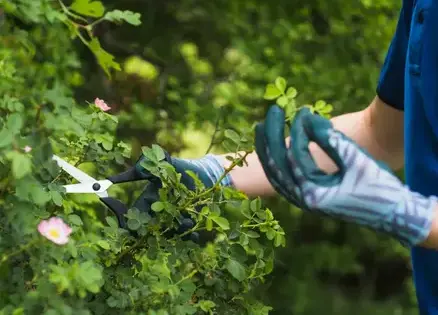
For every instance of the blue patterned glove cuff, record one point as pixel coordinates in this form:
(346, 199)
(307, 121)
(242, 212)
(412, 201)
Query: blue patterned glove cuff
(209, 168)
(213, 165)
(412, 219)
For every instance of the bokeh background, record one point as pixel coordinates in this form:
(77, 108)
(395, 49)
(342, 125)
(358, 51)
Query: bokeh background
(196, 66)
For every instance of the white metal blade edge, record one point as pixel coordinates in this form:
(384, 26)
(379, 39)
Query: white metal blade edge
(89, 188)
(73, 171)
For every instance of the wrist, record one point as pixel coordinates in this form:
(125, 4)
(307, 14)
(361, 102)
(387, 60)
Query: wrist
(430, 236)
(214, 166)
(210, 169)
(414, 218)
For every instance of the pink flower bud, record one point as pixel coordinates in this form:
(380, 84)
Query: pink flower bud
(101, 104)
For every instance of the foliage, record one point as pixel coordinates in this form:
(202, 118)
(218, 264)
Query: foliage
(104, 269)
(191, 70)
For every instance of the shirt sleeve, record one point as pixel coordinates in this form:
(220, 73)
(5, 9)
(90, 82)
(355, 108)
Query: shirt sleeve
(390, 86)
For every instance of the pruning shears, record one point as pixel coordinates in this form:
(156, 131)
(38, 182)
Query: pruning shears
(88, 184)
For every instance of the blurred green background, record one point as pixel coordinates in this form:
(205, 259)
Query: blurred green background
(193, 65)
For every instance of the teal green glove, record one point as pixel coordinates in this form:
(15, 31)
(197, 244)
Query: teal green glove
(363, 191)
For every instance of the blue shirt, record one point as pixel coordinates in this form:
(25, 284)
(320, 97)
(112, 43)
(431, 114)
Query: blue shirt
(409, 82)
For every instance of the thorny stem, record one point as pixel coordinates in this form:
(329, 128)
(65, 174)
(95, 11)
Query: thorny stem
(254, 225)
(93, 24)
(218, 182)
(216, 130)
(190, 275)
(128, 249)
(18, 251)
(68, 12)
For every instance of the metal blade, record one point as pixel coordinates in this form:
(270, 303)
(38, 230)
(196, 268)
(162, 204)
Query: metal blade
(98, 187)
(73, 171)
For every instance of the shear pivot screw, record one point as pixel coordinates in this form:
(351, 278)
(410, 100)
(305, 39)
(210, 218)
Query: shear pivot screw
(96, 186)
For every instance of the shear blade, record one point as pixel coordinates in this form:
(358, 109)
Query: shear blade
(97, 187)
(74, 171)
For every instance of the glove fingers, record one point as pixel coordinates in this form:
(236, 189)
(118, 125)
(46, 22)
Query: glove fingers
(268, 164)
(307, 127)
(274, 134)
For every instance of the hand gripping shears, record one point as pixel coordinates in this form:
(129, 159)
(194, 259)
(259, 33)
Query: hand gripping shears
(88, 184)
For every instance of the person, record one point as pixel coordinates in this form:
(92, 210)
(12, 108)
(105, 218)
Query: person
(344, 167)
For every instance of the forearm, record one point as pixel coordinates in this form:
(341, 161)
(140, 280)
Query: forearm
(363, 127)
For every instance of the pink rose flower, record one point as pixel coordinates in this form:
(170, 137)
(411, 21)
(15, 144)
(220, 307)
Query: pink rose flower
(55, 230)
(101, 104)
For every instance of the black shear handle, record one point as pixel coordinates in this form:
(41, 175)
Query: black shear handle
(118, 208)
(130, 175)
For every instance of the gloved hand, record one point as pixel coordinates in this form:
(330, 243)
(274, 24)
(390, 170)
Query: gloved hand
(209, 169)
(363, 191)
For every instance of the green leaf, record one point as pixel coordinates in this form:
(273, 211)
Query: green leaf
(56, 197)
(319, 105)
(21, 165)
(159, 152)
(133, 224)
(104, 244)
(291, 92)
(245, 208)
(222, 222)
(327, 109)
(271, 92)
(88, 8)
(238, 253)
(269, 215)
(14, 123)
(279, 240)
(243, 239)
(11, 104)
(75, 220)
(6, 137)
(206, 305)
(232, 135)
(236, 269)
(105, 59)
(256, 204)
(282, 101)
(133, 213)
(127, 16)
(280, 84)
(270, 234)
(112, 222)
(253, 234)
(157, 206)
(209, 224)
(290, 109)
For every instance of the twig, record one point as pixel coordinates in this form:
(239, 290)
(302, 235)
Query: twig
(18, 251)
(216, 130)
(68, 12)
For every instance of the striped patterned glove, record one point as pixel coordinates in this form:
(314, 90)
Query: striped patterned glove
(363, 191)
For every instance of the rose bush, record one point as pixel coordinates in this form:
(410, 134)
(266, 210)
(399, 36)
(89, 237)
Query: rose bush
(187, 65)
(65, 254)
